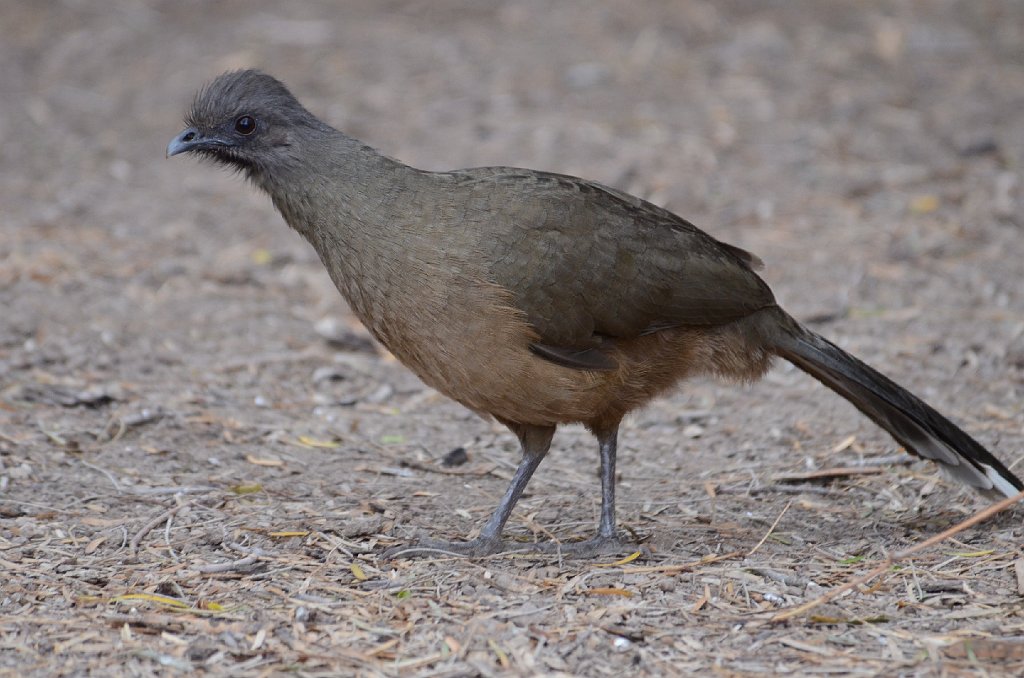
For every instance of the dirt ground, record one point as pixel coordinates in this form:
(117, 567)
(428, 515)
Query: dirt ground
(203, 456)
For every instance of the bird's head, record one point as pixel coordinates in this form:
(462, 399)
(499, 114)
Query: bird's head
(247, 120)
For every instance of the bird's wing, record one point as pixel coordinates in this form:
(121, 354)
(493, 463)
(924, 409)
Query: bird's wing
(586, 263)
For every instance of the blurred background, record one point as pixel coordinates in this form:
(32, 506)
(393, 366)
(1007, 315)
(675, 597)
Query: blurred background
(160, 326)
(869, 152)
(838, 140)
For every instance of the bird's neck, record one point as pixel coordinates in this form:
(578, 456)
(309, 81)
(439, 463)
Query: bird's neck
(348, 201)
(333, 179)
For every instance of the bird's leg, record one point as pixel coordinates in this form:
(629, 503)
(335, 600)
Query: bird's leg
(609, 444)
(606, 539)
(535, 441)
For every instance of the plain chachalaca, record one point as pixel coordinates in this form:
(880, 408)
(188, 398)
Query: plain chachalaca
(536, 298)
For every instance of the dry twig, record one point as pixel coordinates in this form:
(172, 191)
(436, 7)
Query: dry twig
(684, 567)
(148, 527)
(894, 558)
(255, 553)
(770, 529)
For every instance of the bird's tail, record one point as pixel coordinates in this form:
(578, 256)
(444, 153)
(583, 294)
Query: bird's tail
(912, 422)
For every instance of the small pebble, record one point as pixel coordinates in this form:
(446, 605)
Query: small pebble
(456, 457)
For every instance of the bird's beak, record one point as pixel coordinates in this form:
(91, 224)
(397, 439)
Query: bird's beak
(191, 139)
(183, 142)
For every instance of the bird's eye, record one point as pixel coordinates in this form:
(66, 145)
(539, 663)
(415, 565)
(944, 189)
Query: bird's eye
(245, 125)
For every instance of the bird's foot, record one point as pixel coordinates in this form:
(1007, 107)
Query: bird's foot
(598, 545)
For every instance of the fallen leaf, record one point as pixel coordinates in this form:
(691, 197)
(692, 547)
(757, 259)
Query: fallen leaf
(93, 545)
(307, 441)
(261, 256)
(246, 489)
(257, 642)
(500, 653)
(609, 591)
(924, 204)
(152, 598)
(260, 461)
(628, 559)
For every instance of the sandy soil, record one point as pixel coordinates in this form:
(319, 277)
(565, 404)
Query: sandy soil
(202, 455)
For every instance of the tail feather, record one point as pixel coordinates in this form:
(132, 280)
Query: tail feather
(912, 422)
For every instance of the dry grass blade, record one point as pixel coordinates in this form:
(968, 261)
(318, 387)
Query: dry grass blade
(148, 527)
(894, 558)
(770, 529)
(254, 554)
(825, 474)
(684, 567)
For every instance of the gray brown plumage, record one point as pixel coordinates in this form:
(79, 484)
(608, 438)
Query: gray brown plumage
(537, 298)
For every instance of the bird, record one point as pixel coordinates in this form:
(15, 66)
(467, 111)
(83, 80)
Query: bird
(538, 299)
